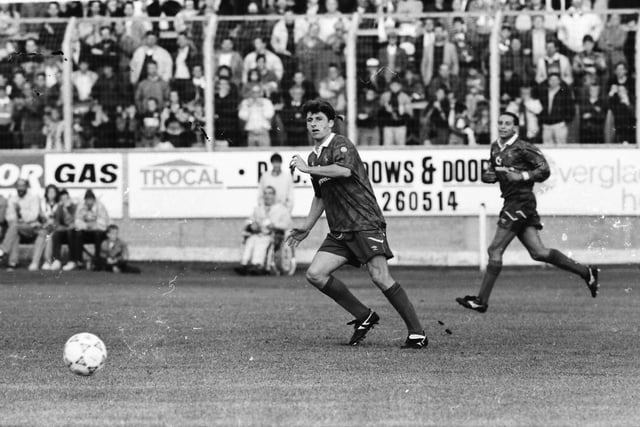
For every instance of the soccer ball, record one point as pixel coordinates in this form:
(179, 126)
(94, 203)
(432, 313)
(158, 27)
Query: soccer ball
(84, 353)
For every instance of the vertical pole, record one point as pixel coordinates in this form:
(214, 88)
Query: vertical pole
(494, 76)
(209, 97)
(637, 88)
(352, 78)
(67, 90)
(482, 237)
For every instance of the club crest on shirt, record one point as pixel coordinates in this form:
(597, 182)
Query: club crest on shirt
(498, 160)
(343, 149)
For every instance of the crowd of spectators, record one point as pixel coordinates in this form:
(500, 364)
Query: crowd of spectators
(140, 83)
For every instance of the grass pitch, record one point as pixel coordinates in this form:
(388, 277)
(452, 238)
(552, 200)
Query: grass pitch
(198, 346)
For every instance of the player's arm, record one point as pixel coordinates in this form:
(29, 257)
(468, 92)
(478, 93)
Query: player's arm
(540, 167)
(329, 171)
(489, 175)
(297, 235)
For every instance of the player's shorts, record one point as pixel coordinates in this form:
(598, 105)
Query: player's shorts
(518, 214)
(358, 247)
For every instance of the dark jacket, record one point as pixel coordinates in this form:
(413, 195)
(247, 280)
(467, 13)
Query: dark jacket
(562, 108)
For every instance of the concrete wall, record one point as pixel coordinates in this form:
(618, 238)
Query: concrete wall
(415, 241)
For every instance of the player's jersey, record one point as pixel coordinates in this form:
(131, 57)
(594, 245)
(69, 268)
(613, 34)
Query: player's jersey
(349, 203)
(521, 156)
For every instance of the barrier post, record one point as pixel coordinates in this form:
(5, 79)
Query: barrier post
(637, 88)
(482, 237)
(209, 71)
(352, 78)
(494, 75)
(66, 85)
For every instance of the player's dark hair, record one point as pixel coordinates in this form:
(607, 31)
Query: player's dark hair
(276, 158)
(516, 119)
(319, 106)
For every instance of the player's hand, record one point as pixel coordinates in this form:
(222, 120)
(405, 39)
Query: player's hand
(489, 176)
(297, 235)
(510, 174)
(297, 163)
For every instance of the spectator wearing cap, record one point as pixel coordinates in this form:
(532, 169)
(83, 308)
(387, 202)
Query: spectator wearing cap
(394, 114)
(554, 62)
(150, 52)
(256, 112)
(90, 224)
(557, 110)
(589, 63)
(280, 180)
(441, 52)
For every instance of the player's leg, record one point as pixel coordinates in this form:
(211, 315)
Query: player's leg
(379, 272)
(501, 240)
(530, 238)
(320, 275)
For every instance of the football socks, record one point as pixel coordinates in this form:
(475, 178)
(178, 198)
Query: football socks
(562, 261)
(338, 291)
(490, 276)
(400, 301)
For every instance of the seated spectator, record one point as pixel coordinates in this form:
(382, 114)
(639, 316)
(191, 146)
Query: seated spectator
(23, 221)
(151, 52)
(63, 223)
(153, 86)
(281, 181)
(150, 123)
(528, 109)
(114, 253)
(226, 115)
(272, 61)
(294, 122)
(394, 114)
(557, 110)
(368, 117)
(256, 112)
(48, 210)
(554, 62)
(593, 112)
(332, 89)
(90, 224)
(267, 220)
(53, 130)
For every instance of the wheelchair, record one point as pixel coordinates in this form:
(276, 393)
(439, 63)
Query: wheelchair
(279, 257)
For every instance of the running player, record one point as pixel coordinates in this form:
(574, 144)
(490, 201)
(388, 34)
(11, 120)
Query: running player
(517, 165)
(357, 228)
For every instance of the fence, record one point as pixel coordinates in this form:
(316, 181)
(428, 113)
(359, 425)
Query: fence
(99, 111)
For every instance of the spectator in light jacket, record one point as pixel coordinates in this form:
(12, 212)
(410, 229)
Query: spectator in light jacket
(256, 112)
(150, 51)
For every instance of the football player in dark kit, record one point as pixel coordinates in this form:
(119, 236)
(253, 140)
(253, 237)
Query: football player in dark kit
(357, 228)
(517, 165)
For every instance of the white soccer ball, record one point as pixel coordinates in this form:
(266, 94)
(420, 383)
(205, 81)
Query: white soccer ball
(84, 353)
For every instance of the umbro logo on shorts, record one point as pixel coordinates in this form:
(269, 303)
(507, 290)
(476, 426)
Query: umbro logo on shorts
(375, 240)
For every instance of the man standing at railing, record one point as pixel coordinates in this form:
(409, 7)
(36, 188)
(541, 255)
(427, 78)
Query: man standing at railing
(517, 165)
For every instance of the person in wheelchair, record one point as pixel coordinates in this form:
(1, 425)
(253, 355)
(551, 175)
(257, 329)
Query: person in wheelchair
(265, 228)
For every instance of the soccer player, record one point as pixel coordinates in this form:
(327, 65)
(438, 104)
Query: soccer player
(517, 165)
(357, 228)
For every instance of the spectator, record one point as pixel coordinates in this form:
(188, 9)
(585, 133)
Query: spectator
(577, 22)
(281, 181)
(250, 29)
(268, 79)
(130, 33)
(517, 60)
(185, 58)
(64, 220)
(110, 91)
(332, 89)
(226, 116)
(482, 124)
(6, 118)
(23, 220)
(126, 126)
(374, 79)
(106, 51)
(32, 118)
(368, 118)
(435, 121)
(32, 58)
(294, 122)
(554, 62)
(327, 20)
(267, 219)
(153, 86)
(273, 62)
(90, 224)
(622, 105)
(52, 33)
(150, 123)
(227, 56)
(441, 52)
(510, 84)
(557, 110)
(256, 112)
(101, 127)
(612, 40)
(535, 41)
(461, 132)
(310, 50)
(589, 62)
(299, 79)
(460, 38)
(183, 22)
(395, 112)
(114, 253)
(424, 40)
(444, 80)
(283, 42)
(53, 131)
(527, 108)
(83, 81)
(593, 112)
(176, 134)
(48, 210)
(393, 59)
(473, 99)
(150, 52)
